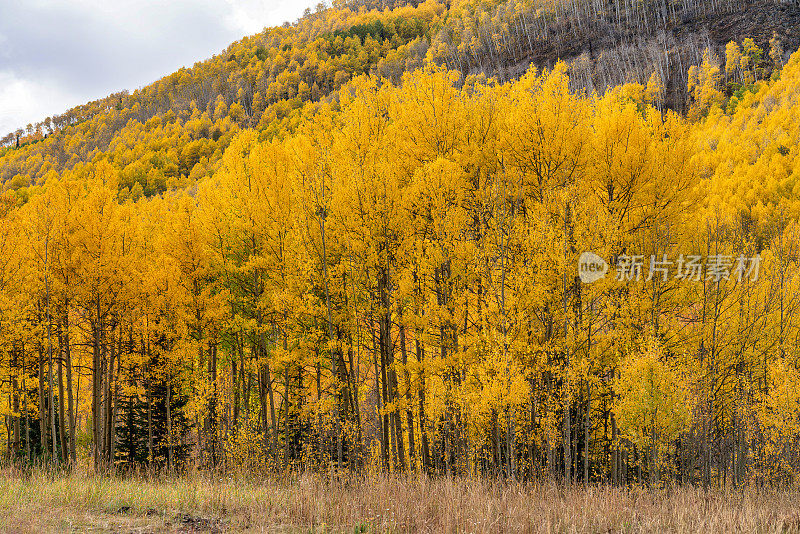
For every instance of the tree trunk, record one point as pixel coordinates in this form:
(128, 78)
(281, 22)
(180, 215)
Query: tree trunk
(42, 406)
(61, 418)
(586, 430)
(70, 405)
(566, 404)
(170, 453)
(409, 411)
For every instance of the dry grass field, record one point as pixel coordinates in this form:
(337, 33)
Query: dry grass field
(79, 502)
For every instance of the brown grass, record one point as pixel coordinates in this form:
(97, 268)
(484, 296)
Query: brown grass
(81, 502)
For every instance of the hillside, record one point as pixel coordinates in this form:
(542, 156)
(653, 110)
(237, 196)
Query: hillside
(188, 118)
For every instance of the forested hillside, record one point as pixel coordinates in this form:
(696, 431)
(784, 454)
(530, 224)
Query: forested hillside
(354, 243)
(173, 132)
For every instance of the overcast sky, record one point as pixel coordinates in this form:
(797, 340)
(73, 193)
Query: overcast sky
(55, 54)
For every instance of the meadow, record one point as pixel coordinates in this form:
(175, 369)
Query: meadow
(43, 501)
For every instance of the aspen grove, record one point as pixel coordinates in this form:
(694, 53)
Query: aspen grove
(389, 282)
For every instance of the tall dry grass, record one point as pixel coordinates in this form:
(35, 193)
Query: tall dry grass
(43, 501)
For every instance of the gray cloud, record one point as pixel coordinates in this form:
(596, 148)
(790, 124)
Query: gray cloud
(55, 54)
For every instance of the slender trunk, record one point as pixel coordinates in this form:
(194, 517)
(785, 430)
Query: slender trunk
(42, 407)
(615, 471)
(97, 374)
(108, 410)
(148, 387)
(25, 407)
(235, 380)
(268, 385)
(51, 395)
(213, 408)
(409, 411)
(333, 352)
(170, 453)
(423, 421)
(566, 404)
(287, 436)
(15, 405)
(384, 397)
(70, 405)
(62, 422)
(114, 395)
(50, 349)
(380, 394)
(586, 429)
